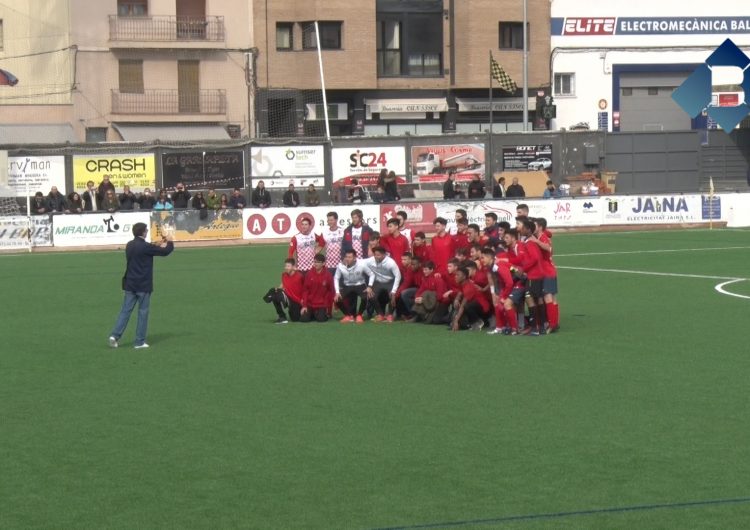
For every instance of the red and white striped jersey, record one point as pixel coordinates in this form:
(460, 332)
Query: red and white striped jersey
(333, 239)
(304, 247)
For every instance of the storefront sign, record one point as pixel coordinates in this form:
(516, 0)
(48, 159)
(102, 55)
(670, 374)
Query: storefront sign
(498, 105)
(365, 163)
(587, 26)
(278, 167)
(188, 225)
(527, 157)
(433, 163)
(14, 232)
(201, 170)
(73, 230)
(36, 173)
(137, 171)
(652, 209)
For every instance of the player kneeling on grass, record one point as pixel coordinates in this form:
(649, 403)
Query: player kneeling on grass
(288, 294)
(472, 307)
(501, 285)
(317, 292)
(350, 285)
(430, 292)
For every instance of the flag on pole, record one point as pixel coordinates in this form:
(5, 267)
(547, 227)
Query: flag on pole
(711, 185)
(498, 74)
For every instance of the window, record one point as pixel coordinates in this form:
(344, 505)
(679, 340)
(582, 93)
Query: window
(653, 91)
(284, 36)
(389, 47)
(565, 84)
(132, 8)
(96, 134)
(511, 35)
(627, 91)
(330, 36)
(131, 77)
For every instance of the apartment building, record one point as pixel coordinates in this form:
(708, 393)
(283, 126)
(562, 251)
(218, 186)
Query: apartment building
(396, 66)
(140, 70)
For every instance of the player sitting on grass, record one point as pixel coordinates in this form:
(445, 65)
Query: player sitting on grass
(350, 284)
(317, 292)
(288, 294)
(428, 295)
(411, 277)
(472, 307)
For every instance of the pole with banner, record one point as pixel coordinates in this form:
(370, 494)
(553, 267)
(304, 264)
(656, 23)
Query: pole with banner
(490, 98)
(711, 203)
(488, 162)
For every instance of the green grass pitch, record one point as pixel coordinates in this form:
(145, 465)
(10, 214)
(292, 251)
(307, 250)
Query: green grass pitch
(230, 421)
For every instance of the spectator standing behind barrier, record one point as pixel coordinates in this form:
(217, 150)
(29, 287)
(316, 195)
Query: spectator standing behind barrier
(224, 202)
(381, 178)
(356, 193)
(147, 201)
(91, 198)
(311, 197)
(237, 200)
(56, 201)
(476, 188)
(260, 197)
(498, 192)
(181, 197)
(291, 197)
(127, 199)
(75, 203)
(104, 186)
(138, 283)
(391, 187)
(449, 187)
(213, 202)
(549, 191)
(198, 202)
(39, 204)
(163, 202)
(515, 189)
(110, 202)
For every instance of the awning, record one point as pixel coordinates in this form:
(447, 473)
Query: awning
(407, 105)
(170, 133)
(498, 105)
(38, 133)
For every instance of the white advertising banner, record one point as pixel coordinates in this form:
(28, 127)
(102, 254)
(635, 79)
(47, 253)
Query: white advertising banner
(281, 223)
(14, 232)
(40, 173)
(651, 209)
(366, 163)
(301, 165)
(566, 212)
(96, 228)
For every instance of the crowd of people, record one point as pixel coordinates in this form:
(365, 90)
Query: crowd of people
(465, 276)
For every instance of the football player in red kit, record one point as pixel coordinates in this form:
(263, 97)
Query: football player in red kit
(442, 246)
(305, 245)
(472, 307)
(542, 238)
(395, 243)
(531, 263)
(461, 239)
(501, 286)
(288, 293)
(317, 292)
(420, 248)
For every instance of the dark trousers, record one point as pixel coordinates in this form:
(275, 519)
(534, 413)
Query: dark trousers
(349, 296)
(473, 312)
(318, 315)
(381, 296)
(442, 314)
(405, 303)
(279, 300)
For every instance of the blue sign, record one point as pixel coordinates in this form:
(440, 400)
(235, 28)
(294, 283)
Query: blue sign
(711, 209)
(603, 119)
(694, 95)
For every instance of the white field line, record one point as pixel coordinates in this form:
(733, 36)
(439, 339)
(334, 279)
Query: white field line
(653, 273)
(720, 288)
(657, 251)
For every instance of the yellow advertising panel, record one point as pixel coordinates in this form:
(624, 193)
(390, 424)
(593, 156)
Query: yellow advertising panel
(190, 225)
(137, 170)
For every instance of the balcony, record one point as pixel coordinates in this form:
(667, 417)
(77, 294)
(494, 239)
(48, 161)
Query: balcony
(170, 102)
(166, 29)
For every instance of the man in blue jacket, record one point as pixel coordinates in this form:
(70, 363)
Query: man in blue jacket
(138, 283)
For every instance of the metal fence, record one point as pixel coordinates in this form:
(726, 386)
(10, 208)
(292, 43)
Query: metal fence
(166, 28)
(165, 101)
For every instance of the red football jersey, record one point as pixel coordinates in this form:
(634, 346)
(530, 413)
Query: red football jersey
(423, 252)
(472, 293)
(317, 290)
(442, 251)
(292, 284)
(532, 261)
(432, 283)
(548, 266)
(461, 240)
(396, 247)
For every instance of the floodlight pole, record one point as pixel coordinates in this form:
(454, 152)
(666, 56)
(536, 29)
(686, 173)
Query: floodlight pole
(322, 82)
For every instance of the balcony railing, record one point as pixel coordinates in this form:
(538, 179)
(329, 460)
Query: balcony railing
(170, 102)
(166, 28)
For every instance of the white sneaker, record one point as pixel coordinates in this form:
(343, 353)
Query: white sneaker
(141, 346)
(113, 342)
(477, 326)
(496, 331)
